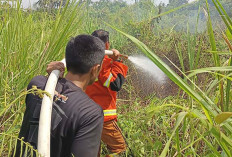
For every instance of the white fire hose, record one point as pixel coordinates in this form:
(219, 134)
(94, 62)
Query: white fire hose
(108, 52)
(46, 111)
(45, 114)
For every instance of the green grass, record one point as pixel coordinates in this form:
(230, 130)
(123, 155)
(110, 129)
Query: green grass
(28, 41)
(206, 105)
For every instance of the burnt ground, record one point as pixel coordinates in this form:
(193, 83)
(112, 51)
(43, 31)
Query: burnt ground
(140, 84)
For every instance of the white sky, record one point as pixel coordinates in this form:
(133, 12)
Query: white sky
(28, 3)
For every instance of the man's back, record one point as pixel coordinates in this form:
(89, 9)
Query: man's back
(76, 120)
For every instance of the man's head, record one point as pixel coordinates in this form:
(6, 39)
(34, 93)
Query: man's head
(84, 54)
(104, 36)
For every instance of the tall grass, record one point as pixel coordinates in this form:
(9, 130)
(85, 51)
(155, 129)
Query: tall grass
(210, 109)
(28, 41)
(228, 23)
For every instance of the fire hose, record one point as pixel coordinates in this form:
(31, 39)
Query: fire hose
(46, 110)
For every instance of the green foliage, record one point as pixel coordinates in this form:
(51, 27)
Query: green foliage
(28, 41)
(50, 4)
(176, 3)
(207, 105)
(223, 117)
(229, 35)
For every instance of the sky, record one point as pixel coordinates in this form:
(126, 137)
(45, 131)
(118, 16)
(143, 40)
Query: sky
(28, 3)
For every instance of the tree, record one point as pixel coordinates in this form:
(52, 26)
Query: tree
(4, 4)
(50, 4)
(177, 3)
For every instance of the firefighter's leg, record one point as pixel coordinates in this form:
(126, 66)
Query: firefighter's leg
(113, 138)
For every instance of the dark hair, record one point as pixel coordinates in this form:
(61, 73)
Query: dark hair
(83, 52)
(102, 34)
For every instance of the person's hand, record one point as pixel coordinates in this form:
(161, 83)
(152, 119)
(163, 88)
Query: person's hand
(56, 65)
(115, 55)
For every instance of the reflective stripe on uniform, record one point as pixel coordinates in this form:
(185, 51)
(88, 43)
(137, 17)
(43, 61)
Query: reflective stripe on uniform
(113, 155)
(109, 112)
(107, 83)
(96, 79)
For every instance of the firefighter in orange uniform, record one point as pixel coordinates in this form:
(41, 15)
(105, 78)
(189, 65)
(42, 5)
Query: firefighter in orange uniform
(104, 92)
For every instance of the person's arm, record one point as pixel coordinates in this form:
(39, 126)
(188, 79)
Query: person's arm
(56, 65)
(113, 74)
(87, 140)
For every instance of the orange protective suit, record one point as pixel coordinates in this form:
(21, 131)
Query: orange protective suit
(104, 90)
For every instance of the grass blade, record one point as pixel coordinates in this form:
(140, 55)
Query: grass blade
(180, 118)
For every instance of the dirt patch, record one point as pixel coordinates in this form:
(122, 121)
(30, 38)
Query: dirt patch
(140, 84)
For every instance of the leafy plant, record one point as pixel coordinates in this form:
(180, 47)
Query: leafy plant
(210, 109)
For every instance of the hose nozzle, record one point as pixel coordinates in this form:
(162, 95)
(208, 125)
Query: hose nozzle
(108, 52)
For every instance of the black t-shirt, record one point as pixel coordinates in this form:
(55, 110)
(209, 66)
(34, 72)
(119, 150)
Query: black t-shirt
(76, 121)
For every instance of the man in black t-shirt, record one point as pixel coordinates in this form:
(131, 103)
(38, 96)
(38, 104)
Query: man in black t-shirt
(76, 119)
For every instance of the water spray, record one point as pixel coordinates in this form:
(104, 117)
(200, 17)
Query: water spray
(144, 64)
